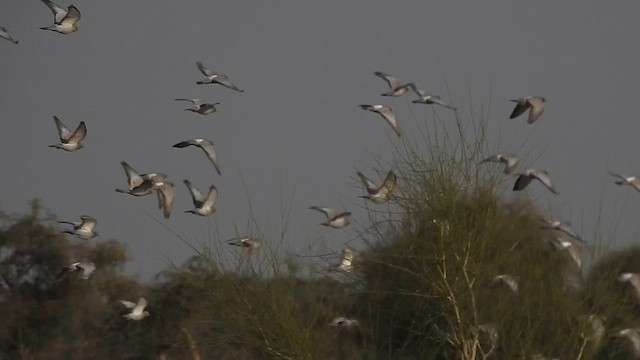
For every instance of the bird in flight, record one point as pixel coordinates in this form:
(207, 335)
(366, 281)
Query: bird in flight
(528, 175)
(379, 194)
(204, 206)
(200, 106)
(165, 192)
(535, 105)
(206, 146)
(632, 181)
(428, 99)
(85, 229)
(87, 268)
(137, 309)
(213, 77)
(510, 161)
(247, 243)
(139, 184)
(64, 21)
(335, 220)
(395, 87)
(386, 113)
(69, 141)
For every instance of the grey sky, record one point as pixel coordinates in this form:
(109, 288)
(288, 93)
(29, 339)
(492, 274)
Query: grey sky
(297, 128)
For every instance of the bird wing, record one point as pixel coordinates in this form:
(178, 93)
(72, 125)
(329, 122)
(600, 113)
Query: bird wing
(4, 33)
(510, 162)
(389, 183)
(88, 222)
(437, 100)
(537, 107)
(87, 269)
(226, 82)
(196, 195)
(79, 134)
(522, 182)
(421, 93)
(63, 131)
(391, 80)
(139, 307)
(184, 144)
(544, 178)
(390, 117)
(329, 213)
(212, 196)
(58, 12)
(133, 178)
(203, 69)
(207, 146)
(195, 102)
(347, 256)
(72, 16)
(371, 187)
(520, 108)
(166, 196)
(127, 304)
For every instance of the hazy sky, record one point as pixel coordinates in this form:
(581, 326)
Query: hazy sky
(296, 135)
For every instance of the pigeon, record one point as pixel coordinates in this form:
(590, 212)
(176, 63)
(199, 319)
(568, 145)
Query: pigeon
(139, 185)
(346, 260)
(525, 178)
(87, 269)
(510, 161)
(65, 21)
(206, 146)
(395, 88)
(335, 219)
(428, 99)
(165, 192)
(247, 243)
(634, 336)
(85, 229)
(378, 194)
(70, 141)
(535, 105)
(573, 250)
(508, 280)
(4, 33)
(137, 310)
(633, 279)
(215, 78)
(204, 206)
(632, 181)
(386, 113)
(564, 227)
(200, 106)
(342, 322)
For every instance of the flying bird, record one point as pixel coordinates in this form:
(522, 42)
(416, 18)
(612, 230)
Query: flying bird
(508, 280)
(69, 141)
(165, 195)
(395, 88)
(342, 322)
(336, 220)
(386, 113)
(87, 268)
(541, 175)
(379, 194)
(215, 78)
(247, 243)
(429, 99)
(201, 106)
(572, 249)
(65, 21)
(139, 184)
(137, 309)
(510, 161)
(204, 206)
(85, 229)
(4, 33)
(535, 105)
(563, 227)
(346, 260)
(206, 146)
(632, 181)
